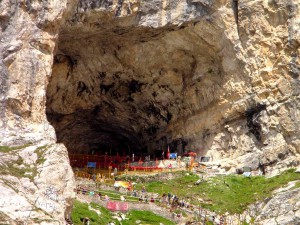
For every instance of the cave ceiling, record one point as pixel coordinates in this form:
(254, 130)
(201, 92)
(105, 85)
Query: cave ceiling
(116, 84)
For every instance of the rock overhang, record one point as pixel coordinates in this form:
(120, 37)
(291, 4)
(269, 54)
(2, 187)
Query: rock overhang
(138, 77)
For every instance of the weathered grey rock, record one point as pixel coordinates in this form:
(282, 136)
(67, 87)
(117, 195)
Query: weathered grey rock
(282, 208)
(36, 185)
(28, 37)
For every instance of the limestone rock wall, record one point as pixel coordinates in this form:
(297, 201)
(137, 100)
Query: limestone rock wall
(37, 185)
(36, 180)
(269, 36)
(282, 208)
(29, 30)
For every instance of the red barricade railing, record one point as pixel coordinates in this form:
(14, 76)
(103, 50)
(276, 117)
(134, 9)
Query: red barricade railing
(104, 161)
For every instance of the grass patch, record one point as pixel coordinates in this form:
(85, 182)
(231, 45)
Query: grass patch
(40, 152)
(81, 210)
(177, 186)
(297, 185)
(231, 193)
(105, 213)
(146, 217)
(114, 195)
(11, 185)
(8, 149)
(15, 170)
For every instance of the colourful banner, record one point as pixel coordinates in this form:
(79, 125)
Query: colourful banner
(117, 206)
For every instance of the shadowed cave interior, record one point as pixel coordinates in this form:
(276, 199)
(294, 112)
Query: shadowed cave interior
(125, 90)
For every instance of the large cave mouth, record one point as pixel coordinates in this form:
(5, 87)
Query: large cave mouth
(131, 90)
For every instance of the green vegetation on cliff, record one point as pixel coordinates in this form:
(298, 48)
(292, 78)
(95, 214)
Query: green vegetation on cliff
(8, 148)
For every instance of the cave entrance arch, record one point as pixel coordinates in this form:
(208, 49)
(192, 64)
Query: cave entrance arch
(129, 90)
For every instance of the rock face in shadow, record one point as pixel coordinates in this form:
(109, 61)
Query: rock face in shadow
(217, 77)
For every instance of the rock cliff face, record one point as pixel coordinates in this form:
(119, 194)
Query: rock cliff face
(217, 77)
(282, 208)
(36, 180)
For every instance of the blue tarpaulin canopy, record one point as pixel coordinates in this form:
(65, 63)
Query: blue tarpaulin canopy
(173, 155)
(91, 164)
